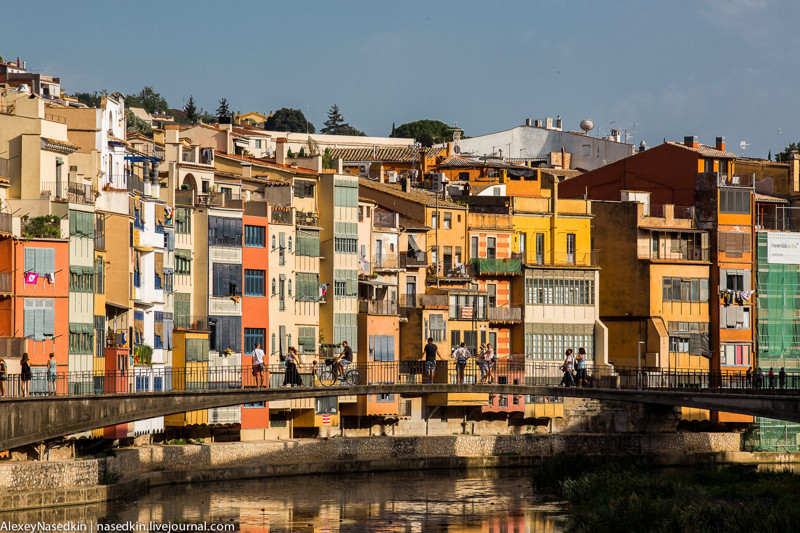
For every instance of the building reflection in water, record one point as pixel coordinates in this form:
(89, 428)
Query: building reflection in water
(489, 501)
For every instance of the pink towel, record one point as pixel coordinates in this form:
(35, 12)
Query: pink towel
(31, 278)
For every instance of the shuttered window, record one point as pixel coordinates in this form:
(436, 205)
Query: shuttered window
(253, 336)
(345, 193)
(254, 236)
(307, 243)
(226, 333)
(40, 260)
(183, 220)
(345, 328)
(39, 318)
(382, 347)
(196, 350)
(227, 279)
(182, 309)
(306, 287)
(81, 224)
(345, 283)
(306, 340)
(224, 231)
(81, 338)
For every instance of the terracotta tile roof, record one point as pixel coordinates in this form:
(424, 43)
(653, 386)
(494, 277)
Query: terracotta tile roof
(268, 164)
(561, 172)
(419, 196)
(770, 199)
(5, 180)
(401, 154)
(113, 139)
(457, 161)
(706, 151)
(251, 131)
(196, 167)
(63, 145)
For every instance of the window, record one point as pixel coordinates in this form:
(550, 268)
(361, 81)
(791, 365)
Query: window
(551, 290)
(708, 165)
(274, 243)
(307, 243)
(274, 287)
(345, 192)
(736, 201)
(448, 219)
(436, 328)
(99, 276)
(491, 247)
(345, 245)
(306, 339)
(226, 333)
(81, 338)
(81, 279)
(735, 355)
(40, 260)
(254, 282)
(289, 248)
(684, 290)
(679, 344)
(734, 317)
(183, 261)
(224, 231)
(381, 347)
(434, 220)
(81, 224)
(304, 189)
(473, 247)
(183, 220)
(272, 344)
(39, 318)
(290, 290)
(254, 236)
(258, 143)
(345, 328)
(227, 279)
(253, 336)
(463, 176)
(306, 287)
(540, 248)
(734, 282)
(571, 248)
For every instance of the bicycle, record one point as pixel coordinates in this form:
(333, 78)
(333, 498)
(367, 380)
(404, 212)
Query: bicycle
(329, 375)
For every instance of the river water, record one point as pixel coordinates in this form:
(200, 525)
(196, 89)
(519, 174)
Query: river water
(490, 501)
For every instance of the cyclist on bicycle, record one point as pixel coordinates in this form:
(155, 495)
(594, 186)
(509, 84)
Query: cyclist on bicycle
(344, 359)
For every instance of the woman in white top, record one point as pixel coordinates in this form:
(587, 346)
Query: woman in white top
(491, 361)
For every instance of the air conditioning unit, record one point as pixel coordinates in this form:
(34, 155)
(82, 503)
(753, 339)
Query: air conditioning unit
(391, 177)
(363, 169)
(438, 180)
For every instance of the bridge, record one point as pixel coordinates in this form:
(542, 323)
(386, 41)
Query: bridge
(40, 418)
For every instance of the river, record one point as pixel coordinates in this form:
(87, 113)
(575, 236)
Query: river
(492, 501)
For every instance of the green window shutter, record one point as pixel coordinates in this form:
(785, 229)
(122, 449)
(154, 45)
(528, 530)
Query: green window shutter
(29, 318)
(48, 259)
(30, 259)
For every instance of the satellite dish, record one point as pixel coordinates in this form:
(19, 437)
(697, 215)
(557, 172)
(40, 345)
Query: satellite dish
(743, 145)
(587, 124)
(457, 149)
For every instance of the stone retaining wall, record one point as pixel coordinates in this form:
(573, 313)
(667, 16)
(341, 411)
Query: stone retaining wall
(25, 485)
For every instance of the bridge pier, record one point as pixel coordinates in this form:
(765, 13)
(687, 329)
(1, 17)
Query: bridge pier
(582, 415)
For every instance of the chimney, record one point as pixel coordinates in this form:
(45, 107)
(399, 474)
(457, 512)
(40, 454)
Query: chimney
(528, 122)
(407, 184)
(281, 146)
(18, 63)
(171, 133)
(537, 123)
(247, 169)
(721, 144)
(449, 149)
(690, 141)
(548, 123)
(558, 122)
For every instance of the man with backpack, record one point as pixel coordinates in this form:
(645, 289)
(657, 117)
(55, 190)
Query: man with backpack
(461, 354)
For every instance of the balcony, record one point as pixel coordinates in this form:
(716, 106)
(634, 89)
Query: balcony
(450, 272)
(306, 219)
(411, 259)
(506, 315)
(685, 252)
(191, 322)
(497, 267)
(778, 223)
(135, 184)
(378, 307)
(219, 199)
(708, 180)
(184, 197)
(281, 215)
(385, 261)
(77, 193)
(468, 311)
(5, 223)
(412, 300)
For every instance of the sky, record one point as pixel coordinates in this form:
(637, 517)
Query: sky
(655, 69)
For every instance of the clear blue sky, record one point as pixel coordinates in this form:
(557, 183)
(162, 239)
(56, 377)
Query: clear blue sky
(706, 68)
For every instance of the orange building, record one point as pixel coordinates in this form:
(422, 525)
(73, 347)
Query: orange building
(41, 302)
(255, 316)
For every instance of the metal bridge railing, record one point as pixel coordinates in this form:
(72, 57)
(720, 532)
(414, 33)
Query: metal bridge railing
(202, 375)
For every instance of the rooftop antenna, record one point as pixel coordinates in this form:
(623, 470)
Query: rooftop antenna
(743, 145)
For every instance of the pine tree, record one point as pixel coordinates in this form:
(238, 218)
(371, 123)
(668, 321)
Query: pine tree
(334, 122)
(191, 110)
(769, 155)
(223, 110)
(394, 131)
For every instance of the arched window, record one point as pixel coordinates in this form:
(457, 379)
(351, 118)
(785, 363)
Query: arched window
(290, 247)
(289, 339)
(274, 287)
(274, 244)
(272, 350)
(290, 288)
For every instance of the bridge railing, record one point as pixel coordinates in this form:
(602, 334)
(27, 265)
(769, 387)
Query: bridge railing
(506, 371)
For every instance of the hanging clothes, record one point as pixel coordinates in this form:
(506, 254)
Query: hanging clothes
(31, 278)
(50, 277)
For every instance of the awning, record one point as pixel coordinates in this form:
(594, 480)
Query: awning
(184, 254)
(412, 245)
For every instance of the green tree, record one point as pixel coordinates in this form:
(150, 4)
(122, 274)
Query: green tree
(90, 99)
(191, 110)
(428, 132)
(149, 99)
(784, 156)
(335, 125)
(289, 120)
(134, 123)
(223, 110)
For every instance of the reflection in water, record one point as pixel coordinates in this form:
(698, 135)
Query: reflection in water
(491, 501)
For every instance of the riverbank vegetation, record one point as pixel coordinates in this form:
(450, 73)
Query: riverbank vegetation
(614, 495)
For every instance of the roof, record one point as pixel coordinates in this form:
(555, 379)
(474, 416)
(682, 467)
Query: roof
(706, 151)
(268, 164)
(457, 161)
(250, 131)
(59, 145)
(419, 196)
(561, 172)
(770, 199)
(407, 223)
(376, 153)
